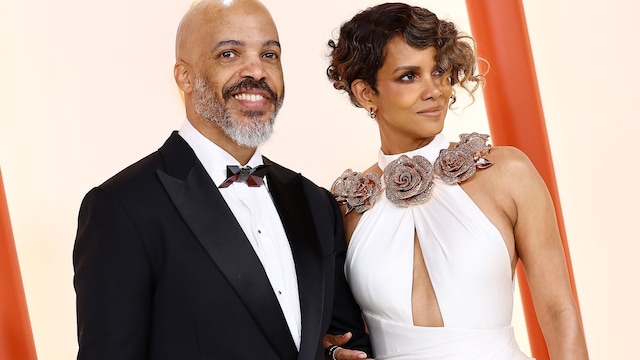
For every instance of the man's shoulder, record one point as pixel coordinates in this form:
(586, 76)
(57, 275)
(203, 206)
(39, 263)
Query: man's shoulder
(139, 169)
(319, 198)
(143, 171)
(285, 174)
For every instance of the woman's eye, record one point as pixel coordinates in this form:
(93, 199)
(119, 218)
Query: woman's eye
(438, 72)
(408, 77)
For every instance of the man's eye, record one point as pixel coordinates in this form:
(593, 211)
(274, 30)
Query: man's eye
(271, 55)
(227, 54)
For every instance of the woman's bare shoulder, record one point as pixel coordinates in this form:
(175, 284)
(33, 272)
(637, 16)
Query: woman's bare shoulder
(510, 160)
(514, 172)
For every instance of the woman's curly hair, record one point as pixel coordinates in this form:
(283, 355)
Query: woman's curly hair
(360, 49)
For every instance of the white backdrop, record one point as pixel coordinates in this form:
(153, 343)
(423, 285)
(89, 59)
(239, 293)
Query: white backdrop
(87, 88)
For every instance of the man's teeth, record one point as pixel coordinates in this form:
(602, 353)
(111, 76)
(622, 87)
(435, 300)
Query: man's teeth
(248, 97)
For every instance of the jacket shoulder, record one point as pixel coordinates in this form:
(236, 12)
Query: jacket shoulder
(174, 157)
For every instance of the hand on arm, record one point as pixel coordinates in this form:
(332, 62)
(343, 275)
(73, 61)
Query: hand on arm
(341, 353)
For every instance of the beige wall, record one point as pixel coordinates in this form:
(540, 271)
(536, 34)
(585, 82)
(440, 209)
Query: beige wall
(87, 88)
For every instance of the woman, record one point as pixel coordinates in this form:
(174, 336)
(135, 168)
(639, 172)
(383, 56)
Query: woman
(436, 228)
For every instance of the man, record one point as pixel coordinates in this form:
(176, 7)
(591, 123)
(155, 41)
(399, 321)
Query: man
(178, 257)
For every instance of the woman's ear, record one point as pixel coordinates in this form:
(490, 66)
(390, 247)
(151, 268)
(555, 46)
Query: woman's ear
(364, 94)
(181, 73)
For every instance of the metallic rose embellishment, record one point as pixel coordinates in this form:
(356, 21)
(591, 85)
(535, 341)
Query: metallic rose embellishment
(476, 145)
(460, 163)
(408, 180)
(356, 191)
(454, 166)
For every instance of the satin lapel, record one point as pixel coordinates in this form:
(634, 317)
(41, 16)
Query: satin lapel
(289, 197)
(206, 213)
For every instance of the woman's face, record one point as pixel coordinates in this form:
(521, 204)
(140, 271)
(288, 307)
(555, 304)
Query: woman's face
(413, 97)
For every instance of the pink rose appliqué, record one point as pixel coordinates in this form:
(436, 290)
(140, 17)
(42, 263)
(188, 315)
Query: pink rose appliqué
(454, 166)
(458, 164)
(356, 191)
(408, 181)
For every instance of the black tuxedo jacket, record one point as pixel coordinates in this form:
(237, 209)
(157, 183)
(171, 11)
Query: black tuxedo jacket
(164, 271)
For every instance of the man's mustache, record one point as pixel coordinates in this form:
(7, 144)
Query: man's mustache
(248, 84)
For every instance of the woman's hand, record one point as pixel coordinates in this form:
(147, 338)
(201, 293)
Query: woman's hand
(340, 353)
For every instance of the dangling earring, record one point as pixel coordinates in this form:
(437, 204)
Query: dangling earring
(453, 97)
(372, 113)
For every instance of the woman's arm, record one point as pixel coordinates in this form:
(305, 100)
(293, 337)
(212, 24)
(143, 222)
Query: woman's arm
(539, 247)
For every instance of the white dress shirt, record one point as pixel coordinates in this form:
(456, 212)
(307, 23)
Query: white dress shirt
(257, 215)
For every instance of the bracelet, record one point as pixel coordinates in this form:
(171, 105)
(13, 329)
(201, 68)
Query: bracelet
(331, 351)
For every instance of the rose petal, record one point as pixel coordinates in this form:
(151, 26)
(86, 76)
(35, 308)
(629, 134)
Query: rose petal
(356, 191)
(408, 180)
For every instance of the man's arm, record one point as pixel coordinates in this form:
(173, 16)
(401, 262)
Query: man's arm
(112, 282)
(347, 317)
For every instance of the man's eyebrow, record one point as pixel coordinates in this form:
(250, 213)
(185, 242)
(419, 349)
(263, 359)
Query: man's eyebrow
(227, 42)
(223, 43)
(272, 43)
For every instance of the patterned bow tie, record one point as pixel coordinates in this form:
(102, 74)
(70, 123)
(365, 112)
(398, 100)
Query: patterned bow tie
(252, 176)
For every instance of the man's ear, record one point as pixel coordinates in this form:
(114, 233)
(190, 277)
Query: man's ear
(364, 94)
(182, 75)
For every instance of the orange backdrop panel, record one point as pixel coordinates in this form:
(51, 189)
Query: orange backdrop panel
(514, 110)
(16, 339)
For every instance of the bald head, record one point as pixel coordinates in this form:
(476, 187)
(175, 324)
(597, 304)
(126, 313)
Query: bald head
(211, 15)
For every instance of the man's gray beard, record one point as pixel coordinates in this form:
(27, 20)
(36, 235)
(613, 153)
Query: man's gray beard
(250, 134)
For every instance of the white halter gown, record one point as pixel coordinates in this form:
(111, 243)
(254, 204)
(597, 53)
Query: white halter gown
(469, 267)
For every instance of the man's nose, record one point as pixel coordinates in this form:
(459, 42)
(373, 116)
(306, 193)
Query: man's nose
(253, 68)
